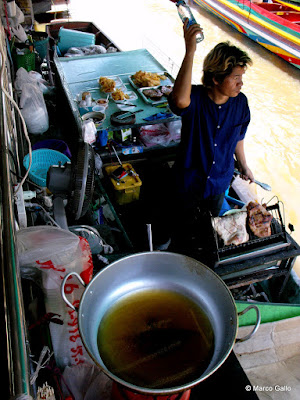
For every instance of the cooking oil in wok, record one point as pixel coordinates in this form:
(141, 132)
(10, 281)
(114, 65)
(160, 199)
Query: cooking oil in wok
(156, 339)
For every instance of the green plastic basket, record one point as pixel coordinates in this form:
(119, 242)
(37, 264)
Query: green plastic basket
(42, 160)
(26, 60)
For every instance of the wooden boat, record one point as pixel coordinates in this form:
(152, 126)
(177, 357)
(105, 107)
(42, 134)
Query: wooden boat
(275, 26)
(23, 333)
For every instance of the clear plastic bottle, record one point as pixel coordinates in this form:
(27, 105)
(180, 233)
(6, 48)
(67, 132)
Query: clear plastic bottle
(184, 12)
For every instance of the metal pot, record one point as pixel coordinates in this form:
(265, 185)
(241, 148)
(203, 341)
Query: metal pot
(166, 271)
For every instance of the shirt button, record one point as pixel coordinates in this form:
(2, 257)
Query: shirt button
(218, 126)
(220, 106)
(215, 144)
(214, 162)
(208, 177)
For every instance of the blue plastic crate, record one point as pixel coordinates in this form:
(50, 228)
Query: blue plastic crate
(42, 160)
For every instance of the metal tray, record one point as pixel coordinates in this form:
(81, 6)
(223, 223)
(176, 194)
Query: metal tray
(166, 82)
(131, 94)
(163, 99)
(118, 81)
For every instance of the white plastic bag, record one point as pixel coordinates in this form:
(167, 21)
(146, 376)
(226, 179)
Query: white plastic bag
(89, 131)
(19, 32)
(54, 252)
(86, 382)
(32, 103)
(174, 128)
(85, 50)
(33, 109)
(153, 135)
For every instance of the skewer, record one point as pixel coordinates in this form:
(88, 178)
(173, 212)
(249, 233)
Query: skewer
(120, 162)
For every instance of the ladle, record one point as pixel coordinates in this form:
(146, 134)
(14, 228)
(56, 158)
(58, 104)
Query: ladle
(263, 185)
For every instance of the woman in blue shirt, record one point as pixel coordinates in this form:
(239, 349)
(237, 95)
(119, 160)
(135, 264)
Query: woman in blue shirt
(215, 117)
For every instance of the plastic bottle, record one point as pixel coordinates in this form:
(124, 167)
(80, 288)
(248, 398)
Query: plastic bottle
(184, 12)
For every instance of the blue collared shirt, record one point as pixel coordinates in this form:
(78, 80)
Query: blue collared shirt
(209, 136)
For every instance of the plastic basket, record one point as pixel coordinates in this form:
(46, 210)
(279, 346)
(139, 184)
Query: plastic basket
(42, 160)
(26, 60)
(41, 47)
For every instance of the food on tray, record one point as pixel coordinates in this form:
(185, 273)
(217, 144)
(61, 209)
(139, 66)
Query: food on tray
(85, 95)
(166, 90)
(153, 94)
(118, 94)
(147, 79)
(107, 85)
(101, 102)
(232, 228)
(259, 219)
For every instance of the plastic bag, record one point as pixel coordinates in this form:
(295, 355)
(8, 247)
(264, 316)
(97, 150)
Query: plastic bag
(85, 50)
(33, 109)
(174, 128)
(23, 77)
(153, 135)
(53, 252)
(89, 131)
(19, 33)
(86, 382)
(32, 103)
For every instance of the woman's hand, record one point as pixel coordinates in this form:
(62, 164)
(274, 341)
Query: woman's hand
(190, 34)
(246, 174)
(243, 168)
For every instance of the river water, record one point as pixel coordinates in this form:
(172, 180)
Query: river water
(272, 86)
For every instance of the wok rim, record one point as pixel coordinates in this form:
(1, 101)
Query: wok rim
(174, 389)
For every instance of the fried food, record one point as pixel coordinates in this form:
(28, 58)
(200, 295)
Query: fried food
(107, 85)
(259, 219)
(147, 79)
(118, 94)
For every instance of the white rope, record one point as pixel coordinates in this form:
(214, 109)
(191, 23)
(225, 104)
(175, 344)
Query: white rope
(40, 363)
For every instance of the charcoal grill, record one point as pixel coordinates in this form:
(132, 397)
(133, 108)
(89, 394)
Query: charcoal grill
(255, 246)
(259, 259)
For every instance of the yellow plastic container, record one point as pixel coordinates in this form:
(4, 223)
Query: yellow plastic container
(127, 189)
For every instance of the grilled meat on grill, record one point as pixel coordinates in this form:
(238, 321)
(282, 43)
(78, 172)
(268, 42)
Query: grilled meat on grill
(232, 228)
(259, 219)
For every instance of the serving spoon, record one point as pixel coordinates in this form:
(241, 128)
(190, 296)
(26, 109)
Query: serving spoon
(261, 184)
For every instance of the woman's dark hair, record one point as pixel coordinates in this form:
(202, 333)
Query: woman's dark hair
(220, 62)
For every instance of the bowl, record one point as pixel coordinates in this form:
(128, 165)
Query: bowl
(102, 103)
(100, 109)
(97, 117)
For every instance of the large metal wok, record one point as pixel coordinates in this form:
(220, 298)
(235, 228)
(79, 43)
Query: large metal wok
(166, 271)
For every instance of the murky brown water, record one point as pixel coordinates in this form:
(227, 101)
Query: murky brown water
(271, 85)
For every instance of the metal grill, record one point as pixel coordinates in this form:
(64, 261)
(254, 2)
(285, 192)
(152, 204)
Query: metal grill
(255, 246)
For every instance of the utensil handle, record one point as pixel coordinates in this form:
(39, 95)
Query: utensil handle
(261, 184)
(258, 319)
(149, 232)
(63, 294)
